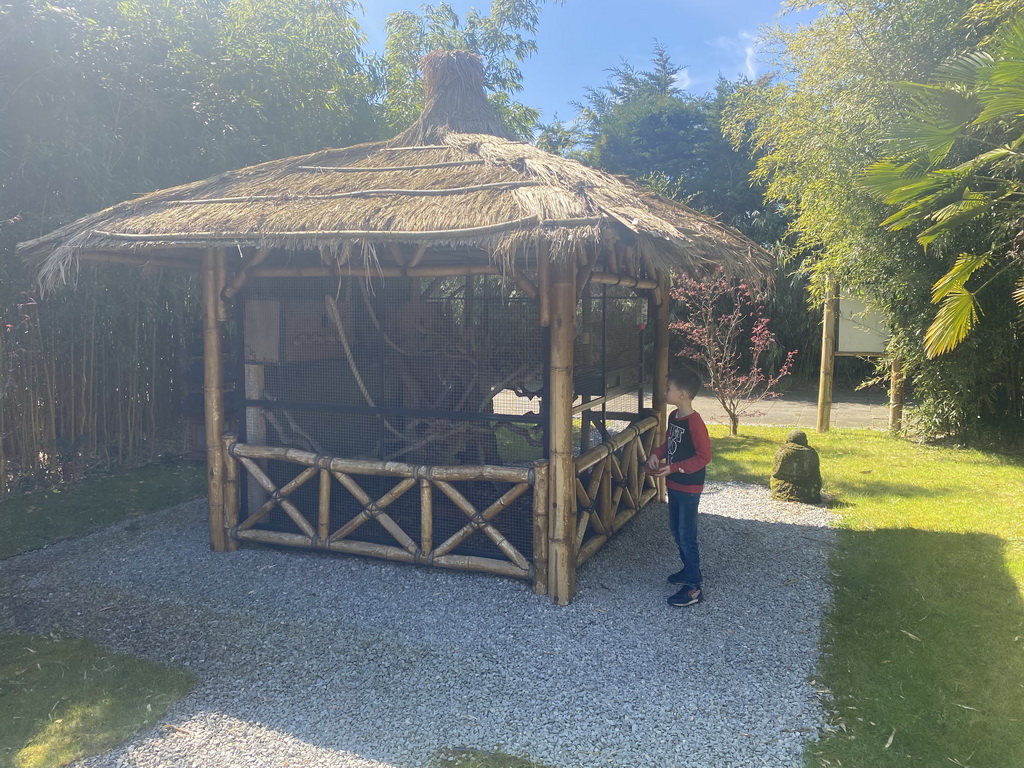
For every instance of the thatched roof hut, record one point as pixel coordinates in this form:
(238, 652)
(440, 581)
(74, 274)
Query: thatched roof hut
(452, 198)
(452, 181)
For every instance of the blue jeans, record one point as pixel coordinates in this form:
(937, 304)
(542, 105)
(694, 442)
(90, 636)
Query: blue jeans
(682, 518)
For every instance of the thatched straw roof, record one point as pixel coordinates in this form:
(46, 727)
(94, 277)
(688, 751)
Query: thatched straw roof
(453, 180)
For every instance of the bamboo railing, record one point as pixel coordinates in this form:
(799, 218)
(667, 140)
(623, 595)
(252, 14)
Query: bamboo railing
(611, 486)
(317, 531)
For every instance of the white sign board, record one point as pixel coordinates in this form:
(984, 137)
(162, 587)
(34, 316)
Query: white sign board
(861, 331)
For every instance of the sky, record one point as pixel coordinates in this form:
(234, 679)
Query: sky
(579, 41)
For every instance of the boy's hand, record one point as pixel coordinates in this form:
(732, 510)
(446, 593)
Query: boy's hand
(656, 469)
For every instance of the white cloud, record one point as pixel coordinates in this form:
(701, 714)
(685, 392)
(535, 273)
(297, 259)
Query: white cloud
(683, 79)
(742, 50)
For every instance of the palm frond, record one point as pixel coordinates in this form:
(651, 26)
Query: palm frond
(971, 205)
(953, 322)
(938, 117)
(966, 69)
(965, 266)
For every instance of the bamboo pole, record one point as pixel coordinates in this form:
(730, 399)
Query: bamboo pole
(213, 396)
(426, 518)
(540, 527)
(323, 526)
(659, 385)
(562, 550)
(828, 356)
(544, 280)
(482, 565)
(230, 495)
(606, 278)
(384, 468)
(238, 281)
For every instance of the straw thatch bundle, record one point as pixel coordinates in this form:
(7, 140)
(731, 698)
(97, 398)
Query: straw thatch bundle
(452, 182)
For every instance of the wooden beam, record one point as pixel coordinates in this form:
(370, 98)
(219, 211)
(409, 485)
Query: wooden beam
(828, 356)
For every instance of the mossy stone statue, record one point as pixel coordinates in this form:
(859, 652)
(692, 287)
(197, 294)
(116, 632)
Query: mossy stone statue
(796, 474)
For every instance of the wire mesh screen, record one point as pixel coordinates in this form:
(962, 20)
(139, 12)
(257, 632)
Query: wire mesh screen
(445, 371)
(608, 358)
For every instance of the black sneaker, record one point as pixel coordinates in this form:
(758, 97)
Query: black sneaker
(686, 596)
(677, 577)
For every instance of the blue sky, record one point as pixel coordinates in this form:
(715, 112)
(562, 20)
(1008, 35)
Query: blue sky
(578, 41)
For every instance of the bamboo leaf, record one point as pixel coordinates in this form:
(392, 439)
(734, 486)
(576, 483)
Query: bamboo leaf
(1018, 293)
(954, 320)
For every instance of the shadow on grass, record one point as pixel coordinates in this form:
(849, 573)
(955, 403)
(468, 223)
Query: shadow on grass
(924, 652)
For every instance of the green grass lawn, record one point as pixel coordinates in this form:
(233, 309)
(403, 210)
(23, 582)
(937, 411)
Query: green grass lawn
(35, 519)
(62, 699)
(923, 650)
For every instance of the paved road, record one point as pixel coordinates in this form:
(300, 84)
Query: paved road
(799, 408)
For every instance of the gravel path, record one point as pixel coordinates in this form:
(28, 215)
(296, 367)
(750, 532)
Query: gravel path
(317, 660)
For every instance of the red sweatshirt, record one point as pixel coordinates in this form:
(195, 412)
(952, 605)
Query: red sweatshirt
(688, 449)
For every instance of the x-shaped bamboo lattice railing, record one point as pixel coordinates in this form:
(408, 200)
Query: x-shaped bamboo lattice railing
(405, 547)
(616, 487)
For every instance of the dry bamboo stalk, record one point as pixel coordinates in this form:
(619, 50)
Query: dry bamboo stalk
(390, 468)
(238, 281)
(479, 522)
(623, 517)
(324, 511)
(278, 498)
(421, 249)
(608, 509)
(525, 284)
(562, 515)
(613, 257)
(540, 527)
(407, 236)
(369, 549)
(104, 257)
(544, 280)
(647, 495)
(273, 537)
(396, 254)
(587, 550)
(432, 270)
(358, 169)
(584, 273)
(213, 397)
(582, 521)
(605, 278)
(426, 518)
(230, 495)
(633, 474)
(375, 509)
(292, 198)
(221, 276)
(660, 373)
(482, 565)
(595, 480)
(583, 501)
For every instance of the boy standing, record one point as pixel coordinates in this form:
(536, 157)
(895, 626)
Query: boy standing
(681, 461)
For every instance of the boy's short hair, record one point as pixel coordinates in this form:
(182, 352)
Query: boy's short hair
(686, 380)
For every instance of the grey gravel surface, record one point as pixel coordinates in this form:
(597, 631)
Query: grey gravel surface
(306, 659)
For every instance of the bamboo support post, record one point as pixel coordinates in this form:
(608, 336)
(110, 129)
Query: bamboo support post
(828, 357)
(323, 520)
(426, 518)
(213, 396)
(525, 284)
(544, 281)
(540, 527)
(231, 496)
(239, 280)
(659, 384)
(562, 550)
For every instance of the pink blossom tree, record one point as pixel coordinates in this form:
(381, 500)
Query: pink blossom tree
(725, 330)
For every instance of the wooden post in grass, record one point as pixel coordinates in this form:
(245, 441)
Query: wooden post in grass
(213, 396)
(561, 468)
(828, 357)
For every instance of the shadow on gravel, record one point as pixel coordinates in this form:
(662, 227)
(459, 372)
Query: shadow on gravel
(924, 651)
